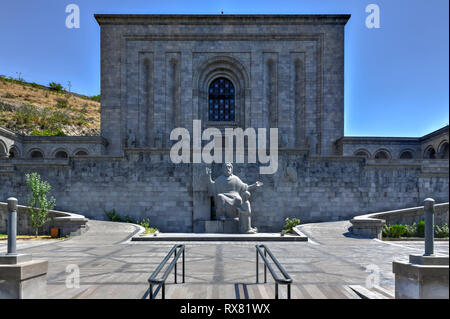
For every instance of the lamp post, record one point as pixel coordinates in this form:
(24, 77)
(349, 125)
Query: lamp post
(428, 207)
(12, 226)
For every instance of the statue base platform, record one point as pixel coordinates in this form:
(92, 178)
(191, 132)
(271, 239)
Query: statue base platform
(185, 237)
(226, 226)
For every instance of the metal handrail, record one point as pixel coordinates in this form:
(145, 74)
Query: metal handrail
(287, 280)
(161, 281)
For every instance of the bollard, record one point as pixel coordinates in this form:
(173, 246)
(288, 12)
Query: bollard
(12, 226)
(429, 226)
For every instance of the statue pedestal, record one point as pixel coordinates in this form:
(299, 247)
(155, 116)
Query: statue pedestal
(423, 277)
(227, 226)
(22, 278)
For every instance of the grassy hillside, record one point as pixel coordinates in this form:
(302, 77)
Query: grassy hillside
(33, 109)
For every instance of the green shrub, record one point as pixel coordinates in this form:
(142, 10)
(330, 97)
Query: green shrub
(414, 230)
(127, 219)
(146, 224)
(55, 86)
(8, 95)
(84, 108)
(290, 224)
(6, 107)
(53, 119)
(398, 230)
(62, 103)
(26, 114)
(95, 98)
(441, 231)
(386, 232)
(39, 204)
(411, 230)
(81, 120)
(48, 132)
(421, 229)
(113, 216)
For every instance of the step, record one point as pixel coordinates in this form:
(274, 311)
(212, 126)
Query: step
(372, 293)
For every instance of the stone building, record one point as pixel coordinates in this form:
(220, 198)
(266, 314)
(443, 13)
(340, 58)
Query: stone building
(160, 72)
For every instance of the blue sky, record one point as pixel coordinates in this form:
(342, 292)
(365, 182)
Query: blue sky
(396, 77)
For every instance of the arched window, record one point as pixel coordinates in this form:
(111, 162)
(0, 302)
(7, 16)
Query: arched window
(443, 150)
(382, 154)
(61, 154)
(36, 154)
(221, 99)
(13, 152)
(362, 153)
(406, 155)
(3, 150)
(430, 153)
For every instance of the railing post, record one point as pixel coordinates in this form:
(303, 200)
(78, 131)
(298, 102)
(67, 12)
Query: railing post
(151, 291)
(257, 265)
(184, 249)
(276, 290)
(289, 291)
(163, 296)
(12, 226)
(265, 266)
(429, 226)
(174, 258)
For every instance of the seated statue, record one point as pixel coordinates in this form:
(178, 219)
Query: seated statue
(227, 190)
(245, 212)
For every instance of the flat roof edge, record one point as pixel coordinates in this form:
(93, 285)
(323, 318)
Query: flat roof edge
(337, 19)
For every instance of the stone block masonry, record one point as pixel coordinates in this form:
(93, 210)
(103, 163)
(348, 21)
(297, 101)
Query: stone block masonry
(145, 184)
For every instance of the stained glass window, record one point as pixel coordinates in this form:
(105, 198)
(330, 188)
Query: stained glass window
(221, 100)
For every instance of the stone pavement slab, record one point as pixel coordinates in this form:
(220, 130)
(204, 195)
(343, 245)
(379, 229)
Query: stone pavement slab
(112, 266)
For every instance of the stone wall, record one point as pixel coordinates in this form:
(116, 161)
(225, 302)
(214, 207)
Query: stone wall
(371, 225)
(394, 147)
(68, 223)
(409, 216)
(145, 184)
(48, 146)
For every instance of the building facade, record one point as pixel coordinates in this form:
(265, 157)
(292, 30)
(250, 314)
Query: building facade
(160, 72)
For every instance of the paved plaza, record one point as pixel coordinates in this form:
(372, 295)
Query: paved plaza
(112, 266)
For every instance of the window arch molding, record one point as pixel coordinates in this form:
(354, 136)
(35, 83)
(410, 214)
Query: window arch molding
(231, 69)
(34, 153)
(403, 154)
(59, 150)
(430, 152)
(379, 152)
(15, 151)
(443, 149)
(81, 152)
(3, 149)
(361, 151)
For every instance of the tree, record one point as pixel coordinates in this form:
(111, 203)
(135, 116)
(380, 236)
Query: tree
(55, 86)
(39, 204)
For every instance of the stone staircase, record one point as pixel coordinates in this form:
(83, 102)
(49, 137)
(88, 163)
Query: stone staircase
(256, 291)
(376, 292)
